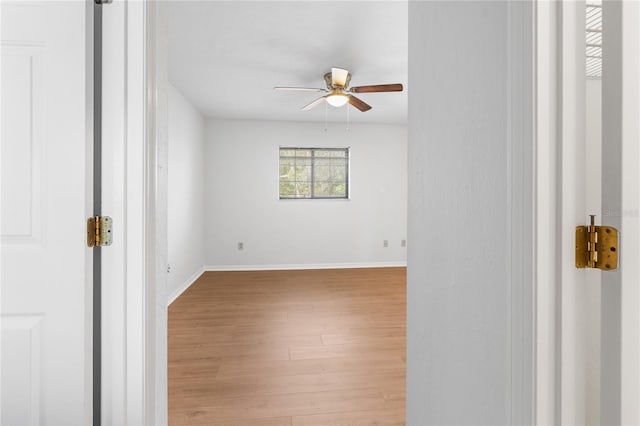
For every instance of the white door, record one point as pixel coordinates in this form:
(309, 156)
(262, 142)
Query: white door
(46, 198)
(620, 354)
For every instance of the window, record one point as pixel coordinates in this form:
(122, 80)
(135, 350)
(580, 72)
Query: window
(594, 41)
(314, 173)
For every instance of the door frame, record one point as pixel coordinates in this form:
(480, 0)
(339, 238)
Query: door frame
(522, 226)
(560, 205)
(559, 138)
(546, 397)
(143, 338)
(131, 273)
(521, 347)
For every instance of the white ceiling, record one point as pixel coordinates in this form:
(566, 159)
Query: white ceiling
(226, 57)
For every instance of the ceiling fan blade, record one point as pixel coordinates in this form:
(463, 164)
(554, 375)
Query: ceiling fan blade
(339, 77)
(301, 89)
(359, 103)
(314, 103)
(377, 88)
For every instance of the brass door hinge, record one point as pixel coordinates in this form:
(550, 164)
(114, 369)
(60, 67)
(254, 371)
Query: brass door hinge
(596, 246)
(99, 231)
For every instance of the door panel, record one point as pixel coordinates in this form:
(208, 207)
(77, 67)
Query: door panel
(620, 369)
(46, 286)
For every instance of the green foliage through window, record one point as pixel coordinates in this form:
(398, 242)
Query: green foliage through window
(314, 173)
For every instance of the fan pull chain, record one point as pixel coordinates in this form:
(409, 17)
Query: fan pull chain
(326, 111)
(348, 109)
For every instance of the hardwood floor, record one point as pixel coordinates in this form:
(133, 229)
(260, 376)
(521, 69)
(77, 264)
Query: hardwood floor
(295, 348)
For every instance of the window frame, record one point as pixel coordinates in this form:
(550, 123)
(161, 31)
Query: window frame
(347, 151)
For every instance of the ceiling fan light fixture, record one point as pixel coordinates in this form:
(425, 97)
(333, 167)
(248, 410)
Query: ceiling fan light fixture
(339, 93)
(337, 99)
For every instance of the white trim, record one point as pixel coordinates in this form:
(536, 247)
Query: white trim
(88, 211)
(185, 285)
(115, 157)
(521, 203)
(137, 382)
(301, 266)
(155, 217)
(156, 171)
(560, 387)
(546, 269)
(572, 116)
(125, 316)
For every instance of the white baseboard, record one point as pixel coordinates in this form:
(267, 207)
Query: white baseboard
(177, 292)
(304, 266)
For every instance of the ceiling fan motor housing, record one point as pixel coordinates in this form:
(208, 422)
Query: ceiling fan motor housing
(331, 86)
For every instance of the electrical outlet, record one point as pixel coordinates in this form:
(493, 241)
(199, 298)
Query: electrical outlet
(385, 243)
(403, 243)
(168, 269)
(240, 246)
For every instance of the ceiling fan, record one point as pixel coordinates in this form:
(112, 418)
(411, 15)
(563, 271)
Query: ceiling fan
(339, 93)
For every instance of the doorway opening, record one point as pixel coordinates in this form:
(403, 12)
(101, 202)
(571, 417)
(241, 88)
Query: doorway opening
(280, 309)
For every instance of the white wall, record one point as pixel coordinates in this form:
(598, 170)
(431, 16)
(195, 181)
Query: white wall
(469, 318)
(243, 205)
(185, 192)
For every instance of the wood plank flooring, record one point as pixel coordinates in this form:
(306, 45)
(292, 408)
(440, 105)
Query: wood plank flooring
(294, 348)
